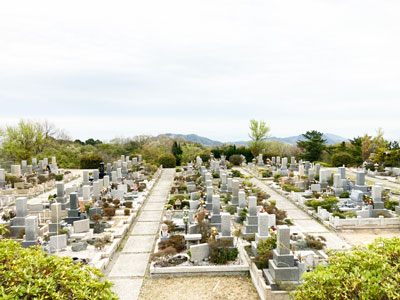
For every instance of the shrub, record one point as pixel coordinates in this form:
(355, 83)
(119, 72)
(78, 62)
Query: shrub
(264, 246)
(178, 170)
(342, 158)
(236, 173)
(317, 243)
(90, 161)
(33, 274)
(328, 203)
(391, 204)
(127, 211)
(167, 160)
(96, 217)
(221, 253)
(277, 177)
(128, 204)
(171, 225)
(161, 257)
(109, 212)
(243, 215)
(290, 188)
(175, 241)
(231, 209)
(261, 261)
(59, 177)
(236, 159)
(350, 214)
(12, 179)
(344, 195)
(368, 272)
(339, 214)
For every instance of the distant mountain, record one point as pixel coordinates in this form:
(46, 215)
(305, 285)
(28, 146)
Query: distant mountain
(195, 139)
(292, 140)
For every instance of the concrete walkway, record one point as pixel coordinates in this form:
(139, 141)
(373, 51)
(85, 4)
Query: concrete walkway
(303, 222)
(130, 265)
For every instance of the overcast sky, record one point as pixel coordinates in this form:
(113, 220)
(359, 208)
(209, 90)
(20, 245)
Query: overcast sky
(103, 69)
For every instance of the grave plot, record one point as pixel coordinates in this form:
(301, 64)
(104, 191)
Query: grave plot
(88, 221)
(334, 199)
(195, 237)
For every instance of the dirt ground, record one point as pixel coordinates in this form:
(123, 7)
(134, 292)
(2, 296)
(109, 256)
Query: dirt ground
(199, 288)
(362, 238)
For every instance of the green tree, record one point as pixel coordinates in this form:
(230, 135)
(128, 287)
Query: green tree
(23, 141)
(33, 274)
(369, 272)
(312, 146)
(177, 152)
(167, 160)
(258, 135)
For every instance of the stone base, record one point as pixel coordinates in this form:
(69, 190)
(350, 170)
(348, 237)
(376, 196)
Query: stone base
(235, 201)
(283, 260)
(284, 273)
(230, 203)
(338, 191)
(224, 189)
(323, 185)
(260, 238)
(252, 220)
(217, 226)
(71, 220)
(209, 206)
(362, 188)
(27, 244)
(215, 219)
(249, 229)
(271, 281)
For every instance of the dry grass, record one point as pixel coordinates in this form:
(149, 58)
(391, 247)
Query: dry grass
(363, 238)
(199, 288)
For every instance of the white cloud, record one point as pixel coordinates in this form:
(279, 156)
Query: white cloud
(132, 67)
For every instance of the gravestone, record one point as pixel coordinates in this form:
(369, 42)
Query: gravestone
(235, 192)
(114, 178)
(293, 165)
(242, 205)
(96, 189)
(23, 166)
(18, 223)
(342, 172)
(284, 169)
(360, 182)
(265, 222)
(56, 216)
(31, 231)
(86, 194)
(95, 175)
(260, 161)
(209, 192)
(61, 198)
(58, 242)
(106, 180)
(224, 183)
(216, 212)
(283, 267)
(226, 235)
(74, 211)
(200, 252)
(85, 178)
(337, 184)
(16, 170)
(251, 223)
(2, 178)
(230, 185)
(101, 171)
(81, 226)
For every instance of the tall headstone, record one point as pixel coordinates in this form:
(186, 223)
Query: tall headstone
(235, 192)
(85, 178)
(74, 211)
(18, 222)
(265, 222)
(342, 172)
(251, 223)
(2, 178)
(56, 216)
(61, 194)
(86, 194)
(31, 231)
(216, 212)
(16, 170)
(23, 166)
(106, 182)
(210, 193)
(360, 182)
(224, 183)
(230, 185)
(260, 161)
(96, 189)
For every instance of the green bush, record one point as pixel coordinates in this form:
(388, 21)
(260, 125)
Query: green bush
(339, 214)
(236, 159)
(329, 203)
(277, 177)
(33, 274)
(221, 252)
(236, 173)
(90, 161)
(59, 177)
(344, 195)
(231, 209)
(368, 272)
(342, 158)
(264, 246)
(167, 160)
(391, 204)
(290, 188)
(350, 214)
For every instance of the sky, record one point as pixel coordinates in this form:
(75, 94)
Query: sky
(106, 69)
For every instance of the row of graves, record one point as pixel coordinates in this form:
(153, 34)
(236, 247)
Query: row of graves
(29, 181)
(217, 222)
(334, 198)
(86, 221)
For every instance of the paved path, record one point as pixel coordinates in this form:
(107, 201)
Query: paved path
(303, 222)
(130, 264)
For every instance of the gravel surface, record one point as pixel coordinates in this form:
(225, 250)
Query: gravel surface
(363, 238)
(199, 288)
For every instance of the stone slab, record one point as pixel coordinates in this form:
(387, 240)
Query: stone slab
(130, 265)
(150, 216)
(142, 228)
(139, 243)
(127, 289)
